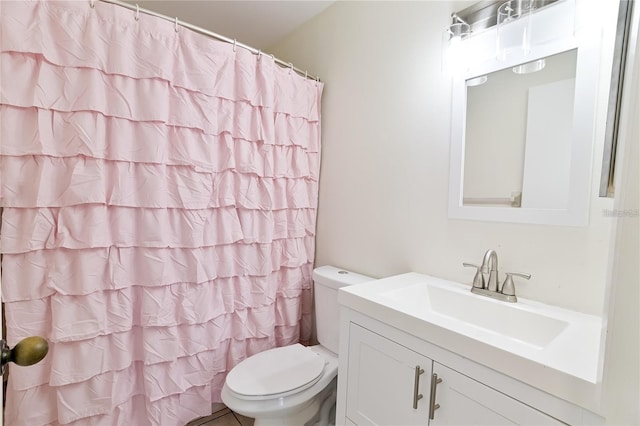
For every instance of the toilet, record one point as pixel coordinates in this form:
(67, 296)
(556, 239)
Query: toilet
(295, 385)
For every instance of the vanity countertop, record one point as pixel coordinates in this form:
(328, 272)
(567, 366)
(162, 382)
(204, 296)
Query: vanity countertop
(551, 348)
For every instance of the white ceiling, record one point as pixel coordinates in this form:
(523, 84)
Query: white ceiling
(258, 23)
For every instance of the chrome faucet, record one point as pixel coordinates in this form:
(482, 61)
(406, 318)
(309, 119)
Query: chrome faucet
(490, 266)
(491, 260)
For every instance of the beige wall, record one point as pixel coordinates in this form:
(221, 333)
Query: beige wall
(384, 180)
(385, 161)
(622, 368)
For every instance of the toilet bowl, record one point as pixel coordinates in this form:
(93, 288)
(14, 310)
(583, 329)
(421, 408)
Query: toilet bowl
(278, 405)
(295, 385)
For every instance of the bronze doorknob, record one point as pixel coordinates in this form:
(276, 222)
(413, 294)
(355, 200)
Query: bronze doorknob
(28, 351)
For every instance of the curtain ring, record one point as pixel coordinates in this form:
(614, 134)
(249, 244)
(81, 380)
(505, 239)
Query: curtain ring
(259, 54)
(290, 67)
(92, 3)
(306, 74)
(176, 24)
(273, 58)
(137, 17)
(234, 44)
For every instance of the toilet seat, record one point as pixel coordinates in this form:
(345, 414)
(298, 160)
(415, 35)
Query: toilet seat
(276, 373)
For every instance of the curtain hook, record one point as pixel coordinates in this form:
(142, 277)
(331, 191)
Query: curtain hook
(290, 67)
(259, 54)
(176, 24)
(273, 58)
(92, 3)
(306, 74)
(137, 17)
(234, 44)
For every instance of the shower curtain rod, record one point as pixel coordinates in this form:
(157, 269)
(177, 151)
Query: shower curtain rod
(208, 33)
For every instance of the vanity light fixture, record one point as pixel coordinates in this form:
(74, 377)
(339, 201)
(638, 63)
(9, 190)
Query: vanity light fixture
(458, 29)
(454, 54)
(514, 25)
(517, 26)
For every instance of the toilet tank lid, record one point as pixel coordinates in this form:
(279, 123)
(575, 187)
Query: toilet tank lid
(331, 276)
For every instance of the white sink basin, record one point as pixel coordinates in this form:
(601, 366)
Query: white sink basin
(506, 319)
(520, 337)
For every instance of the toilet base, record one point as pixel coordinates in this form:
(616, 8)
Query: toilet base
(302, 408)
(316, 413)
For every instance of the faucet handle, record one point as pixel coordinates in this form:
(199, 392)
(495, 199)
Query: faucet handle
(478, 280)
(508, 288)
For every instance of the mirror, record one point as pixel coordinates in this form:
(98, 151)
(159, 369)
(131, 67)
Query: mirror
(518, 134)
(618, 71)
(522, 142)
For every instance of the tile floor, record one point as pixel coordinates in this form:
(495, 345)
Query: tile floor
(222, 416)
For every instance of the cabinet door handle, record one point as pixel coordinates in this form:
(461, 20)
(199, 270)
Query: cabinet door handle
(416, 385)
(432, 403)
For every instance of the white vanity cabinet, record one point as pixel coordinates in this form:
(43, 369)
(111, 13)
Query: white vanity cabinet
(500, 363)
(377, 384)
(464, 401)
(386, 381)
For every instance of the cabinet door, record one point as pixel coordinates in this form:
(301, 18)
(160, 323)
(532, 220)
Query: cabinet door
(464, 401)
(382, 381)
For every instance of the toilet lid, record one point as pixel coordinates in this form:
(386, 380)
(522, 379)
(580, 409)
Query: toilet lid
(285, 370)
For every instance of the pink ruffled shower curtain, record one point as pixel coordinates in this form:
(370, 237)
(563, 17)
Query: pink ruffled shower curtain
(159, 194)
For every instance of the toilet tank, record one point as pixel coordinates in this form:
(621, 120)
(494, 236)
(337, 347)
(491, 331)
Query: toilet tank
(326, 282)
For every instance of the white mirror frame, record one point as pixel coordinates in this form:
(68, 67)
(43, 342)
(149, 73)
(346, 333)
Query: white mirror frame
(582, 143)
